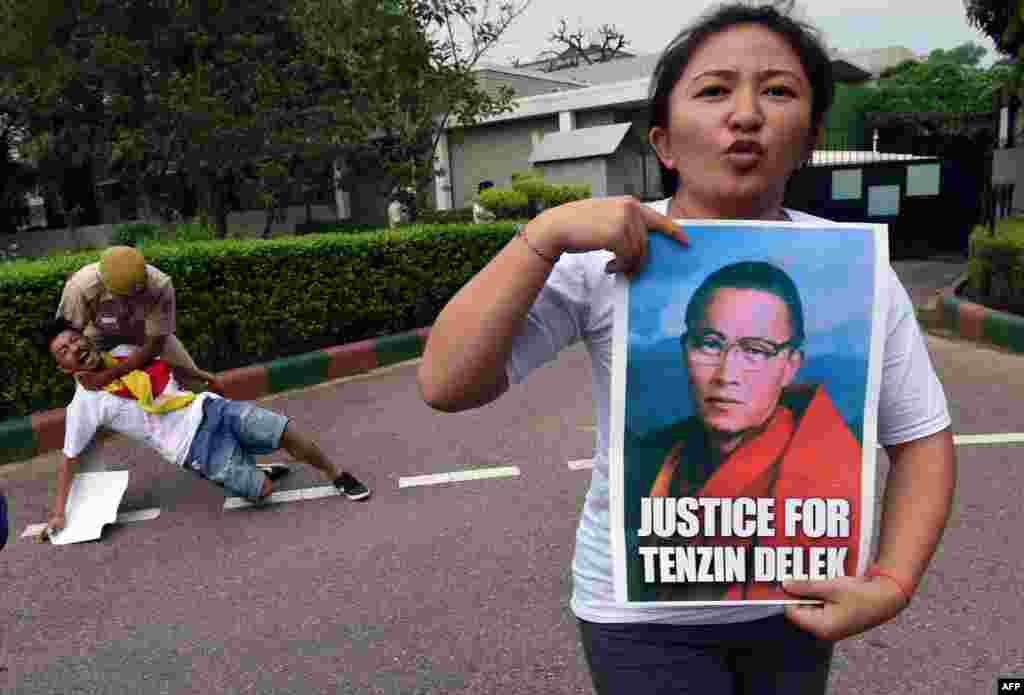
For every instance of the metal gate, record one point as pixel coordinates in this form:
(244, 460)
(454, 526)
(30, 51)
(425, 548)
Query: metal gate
(926, 177)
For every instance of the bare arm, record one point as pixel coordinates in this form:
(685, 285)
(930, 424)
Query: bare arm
(150, 350)
(181, 370)
(917, 503)
(464, 361)
(65, 474)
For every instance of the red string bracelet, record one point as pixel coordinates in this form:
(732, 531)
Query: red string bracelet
(876, 571)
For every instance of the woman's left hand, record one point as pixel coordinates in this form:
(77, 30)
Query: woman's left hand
(852, 605)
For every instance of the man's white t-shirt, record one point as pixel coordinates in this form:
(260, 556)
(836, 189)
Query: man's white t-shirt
(170, 434)
(577, 303)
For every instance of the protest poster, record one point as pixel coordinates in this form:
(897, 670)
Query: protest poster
(745, 380)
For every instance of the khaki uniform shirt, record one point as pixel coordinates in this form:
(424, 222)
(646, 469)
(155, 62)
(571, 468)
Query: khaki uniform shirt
(110, 318)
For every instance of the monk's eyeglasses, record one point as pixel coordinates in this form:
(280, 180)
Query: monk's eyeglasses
(709, 348)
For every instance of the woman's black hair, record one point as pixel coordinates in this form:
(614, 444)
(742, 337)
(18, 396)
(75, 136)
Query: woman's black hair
(802, 37)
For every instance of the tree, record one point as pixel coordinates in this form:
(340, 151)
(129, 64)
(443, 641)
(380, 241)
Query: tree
(1000, 20)
(934, 86)
(145, 87)
(16, 180)
(411, 108)
(969, 54)
(597, 46)
(214, 90)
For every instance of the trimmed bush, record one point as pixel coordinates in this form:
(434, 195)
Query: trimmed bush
(456, 216)
(336, 227)
(529, 195)
(190, 231)
(555, 194)
(995, 265)
(242, 302)
(532, 186)
(506, 203)
(134, 234)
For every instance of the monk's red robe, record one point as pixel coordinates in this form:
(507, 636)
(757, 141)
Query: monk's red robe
(813, 455)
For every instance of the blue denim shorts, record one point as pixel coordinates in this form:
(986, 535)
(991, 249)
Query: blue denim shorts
(231, 434)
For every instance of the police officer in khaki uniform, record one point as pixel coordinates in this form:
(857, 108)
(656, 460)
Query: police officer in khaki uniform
(122, 299)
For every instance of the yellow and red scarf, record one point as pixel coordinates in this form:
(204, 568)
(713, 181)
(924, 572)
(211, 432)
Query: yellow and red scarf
(148, 386)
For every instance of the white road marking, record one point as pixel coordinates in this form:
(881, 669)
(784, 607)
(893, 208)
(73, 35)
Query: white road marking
(1004, 438)
(122, 518)
(581, 464)
(958, 440)
(309, 493)
(459, 476)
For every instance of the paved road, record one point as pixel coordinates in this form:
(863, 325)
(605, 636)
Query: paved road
(457, 588)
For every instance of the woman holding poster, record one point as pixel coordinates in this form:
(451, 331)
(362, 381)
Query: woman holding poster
(737, 103)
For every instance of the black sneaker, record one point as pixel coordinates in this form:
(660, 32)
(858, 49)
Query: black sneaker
(274, 471)
(350, 487)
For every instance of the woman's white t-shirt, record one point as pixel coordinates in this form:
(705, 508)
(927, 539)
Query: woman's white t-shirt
(576, 304)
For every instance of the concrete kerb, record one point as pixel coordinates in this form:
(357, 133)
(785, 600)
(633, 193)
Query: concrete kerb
(970, 321)
(23, 438)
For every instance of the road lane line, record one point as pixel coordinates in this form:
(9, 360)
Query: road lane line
(1003, 438)
(958, 440)
(308, 493)
(122, 518)
(581, 464)
(459, 476)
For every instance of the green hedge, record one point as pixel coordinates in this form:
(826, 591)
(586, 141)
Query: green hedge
(327, 227)
(995, 265)
(134, 234)
(506, 203)
(242, 302)
(555, 194)
(456, 216)
(142, 234)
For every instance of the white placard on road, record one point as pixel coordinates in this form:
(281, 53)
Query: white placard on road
(92, 504)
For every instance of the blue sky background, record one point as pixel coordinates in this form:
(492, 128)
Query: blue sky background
(833, 271)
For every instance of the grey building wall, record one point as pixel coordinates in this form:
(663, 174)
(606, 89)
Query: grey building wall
(593, 170)
(492, 153)
(643, 165)
(495, 152)
(625, 172)
(590, 119)
(521, 85)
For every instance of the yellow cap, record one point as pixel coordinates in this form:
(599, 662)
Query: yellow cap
(123, 270)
